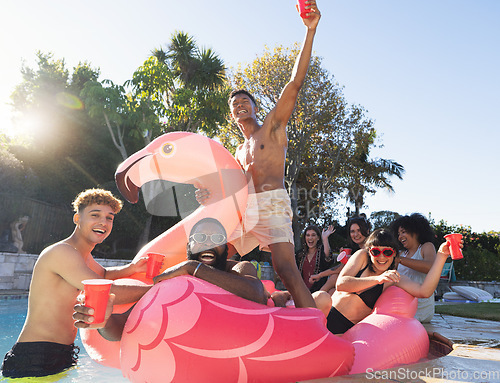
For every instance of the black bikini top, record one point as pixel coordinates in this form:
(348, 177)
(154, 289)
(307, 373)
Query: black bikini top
(370, 296)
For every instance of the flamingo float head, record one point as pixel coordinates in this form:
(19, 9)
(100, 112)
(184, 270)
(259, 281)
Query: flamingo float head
(183, 158)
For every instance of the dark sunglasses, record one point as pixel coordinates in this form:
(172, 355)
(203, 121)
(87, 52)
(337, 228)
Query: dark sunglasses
(387, 251)
(216, 239)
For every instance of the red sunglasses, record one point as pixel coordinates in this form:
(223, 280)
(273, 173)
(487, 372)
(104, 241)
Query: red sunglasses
(387, 251)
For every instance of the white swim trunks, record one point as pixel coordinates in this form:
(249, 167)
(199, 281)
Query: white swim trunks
(267, 220)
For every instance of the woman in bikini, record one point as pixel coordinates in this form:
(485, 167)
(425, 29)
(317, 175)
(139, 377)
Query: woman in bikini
(366, 275)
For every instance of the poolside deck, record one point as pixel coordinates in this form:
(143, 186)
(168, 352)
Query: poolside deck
(472, 360)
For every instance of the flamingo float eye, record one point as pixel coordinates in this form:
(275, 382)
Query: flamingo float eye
(168, 149)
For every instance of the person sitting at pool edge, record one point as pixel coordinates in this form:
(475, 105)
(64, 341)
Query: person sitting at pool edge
(366, 275)
(46, 343)
(207, 259)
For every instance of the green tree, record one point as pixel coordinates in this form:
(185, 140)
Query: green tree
(181, 88)
(15, 177)
(365, 175)
(383, 219)
(195, 99)
(108, 105)
(61, 151)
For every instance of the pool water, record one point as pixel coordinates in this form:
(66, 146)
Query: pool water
(12, 315)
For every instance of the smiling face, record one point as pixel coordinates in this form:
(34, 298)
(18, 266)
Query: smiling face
(381, 257)
(311, 238)
(242, 107)
(407, 239)
(205, 244)
(356, 236)
(377, 243)
(95, 222)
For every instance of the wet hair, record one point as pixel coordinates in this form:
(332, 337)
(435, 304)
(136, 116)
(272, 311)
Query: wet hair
(381, 238)
(303, 236)
(414, 224)
(96, 196)
(241, 91)
(362, 222)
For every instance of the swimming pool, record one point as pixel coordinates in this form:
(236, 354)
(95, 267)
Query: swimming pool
(12, 315)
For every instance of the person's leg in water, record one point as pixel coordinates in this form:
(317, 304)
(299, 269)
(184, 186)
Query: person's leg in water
(285, 266)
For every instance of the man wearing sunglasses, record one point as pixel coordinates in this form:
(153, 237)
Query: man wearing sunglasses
(207, 259)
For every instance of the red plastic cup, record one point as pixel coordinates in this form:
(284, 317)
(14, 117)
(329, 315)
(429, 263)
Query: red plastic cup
(96, 296)
(302, 9)
(453, 241)
(342, 257)
(347, 251)
(154, 265)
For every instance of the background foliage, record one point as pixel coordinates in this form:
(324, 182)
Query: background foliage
(481, 252)
(82, 127)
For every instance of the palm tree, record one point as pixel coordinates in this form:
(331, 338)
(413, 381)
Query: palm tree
(365, 175)
(197, 98)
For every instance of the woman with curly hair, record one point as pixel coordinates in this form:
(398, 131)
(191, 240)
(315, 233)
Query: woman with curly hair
(416, 236)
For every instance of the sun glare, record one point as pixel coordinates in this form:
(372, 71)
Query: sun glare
(24, 127)
(6, 126)
(69, 101)
(27, 125)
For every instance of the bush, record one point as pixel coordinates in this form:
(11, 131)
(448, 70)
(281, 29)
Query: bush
(481, 252)
(478, 265)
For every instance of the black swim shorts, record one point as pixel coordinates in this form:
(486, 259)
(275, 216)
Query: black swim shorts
(39, 359)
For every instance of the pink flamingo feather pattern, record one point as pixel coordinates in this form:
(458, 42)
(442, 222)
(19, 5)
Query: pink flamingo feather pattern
(226, 338)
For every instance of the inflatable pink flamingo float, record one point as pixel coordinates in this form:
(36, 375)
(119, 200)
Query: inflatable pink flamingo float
(185, 329)
(189, 159)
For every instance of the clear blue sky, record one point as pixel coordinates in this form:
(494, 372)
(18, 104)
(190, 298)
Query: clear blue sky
(426, 71)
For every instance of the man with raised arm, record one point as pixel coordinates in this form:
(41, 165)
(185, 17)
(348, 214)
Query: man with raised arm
(268, 218)
(45, 345)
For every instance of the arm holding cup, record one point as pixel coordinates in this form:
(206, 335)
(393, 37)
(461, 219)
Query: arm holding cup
(111, 328)
(431, 280)
(137, 266)
(455, 243)
(84, 315)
